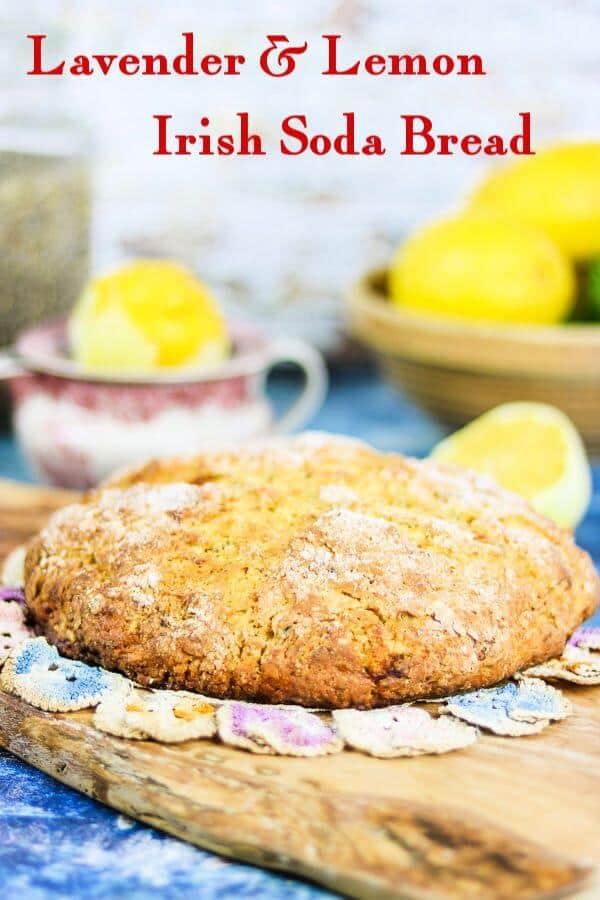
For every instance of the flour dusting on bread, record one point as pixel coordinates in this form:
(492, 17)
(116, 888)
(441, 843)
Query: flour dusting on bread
(310, 570)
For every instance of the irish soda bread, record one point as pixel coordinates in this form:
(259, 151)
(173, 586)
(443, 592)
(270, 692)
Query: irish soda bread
(311, 570)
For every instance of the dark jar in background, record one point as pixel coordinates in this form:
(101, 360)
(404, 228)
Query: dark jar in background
(45, 224)
(44, 220)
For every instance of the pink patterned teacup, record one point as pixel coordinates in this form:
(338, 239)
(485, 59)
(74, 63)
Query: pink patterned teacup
(76, 426)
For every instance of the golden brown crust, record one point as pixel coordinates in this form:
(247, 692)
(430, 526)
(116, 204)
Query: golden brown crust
(311, 570)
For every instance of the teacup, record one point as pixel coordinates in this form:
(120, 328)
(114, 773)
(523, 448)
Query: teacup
(77, 426)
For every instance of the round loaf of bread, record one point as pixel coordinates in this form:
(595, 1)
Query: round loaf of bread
(310, 570)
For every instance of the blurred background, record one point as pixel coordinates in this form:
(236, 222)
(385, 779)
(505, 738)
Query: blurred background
(281, 235)
(489, 316)
(358, 257)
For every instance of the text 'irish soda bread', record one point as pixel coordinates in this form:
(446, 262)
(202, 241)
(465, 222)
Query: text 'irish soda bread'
(309, 570)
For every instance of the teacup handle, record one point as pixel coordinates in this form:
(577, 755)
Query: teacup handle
(9, 367)
(314, 391)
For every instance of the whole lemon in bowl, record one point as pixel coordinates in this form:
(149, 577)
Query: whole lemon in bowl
(148, 314)
(557, 191)
(483, 268)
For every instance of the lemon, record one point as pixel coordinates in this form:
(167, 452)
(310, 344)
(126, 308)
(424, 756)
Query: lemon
(483, 268)
(147, 314)
(531, 449)
(557, 191)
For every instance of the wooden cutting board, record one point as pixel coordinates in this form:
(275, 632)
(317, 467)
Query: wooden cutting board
(506, 818)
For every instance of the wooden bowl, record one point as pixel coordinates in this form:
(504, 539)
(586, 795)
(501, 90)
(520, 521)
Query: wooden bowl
(457, 370)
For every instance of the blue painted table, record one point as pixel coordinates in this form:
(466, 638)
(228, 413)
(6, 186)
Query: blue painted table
(56, 843)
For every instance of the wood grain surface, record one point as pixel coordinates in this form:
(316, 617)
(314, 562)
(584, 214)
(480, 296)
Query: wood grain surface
(505, 818)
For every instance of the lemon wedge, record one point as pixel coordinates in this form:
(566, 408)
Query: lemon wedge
(532, 449)
(148, 314)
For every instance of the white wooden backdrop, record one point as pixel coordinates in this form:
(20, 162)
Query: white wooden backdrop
(287, 234)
